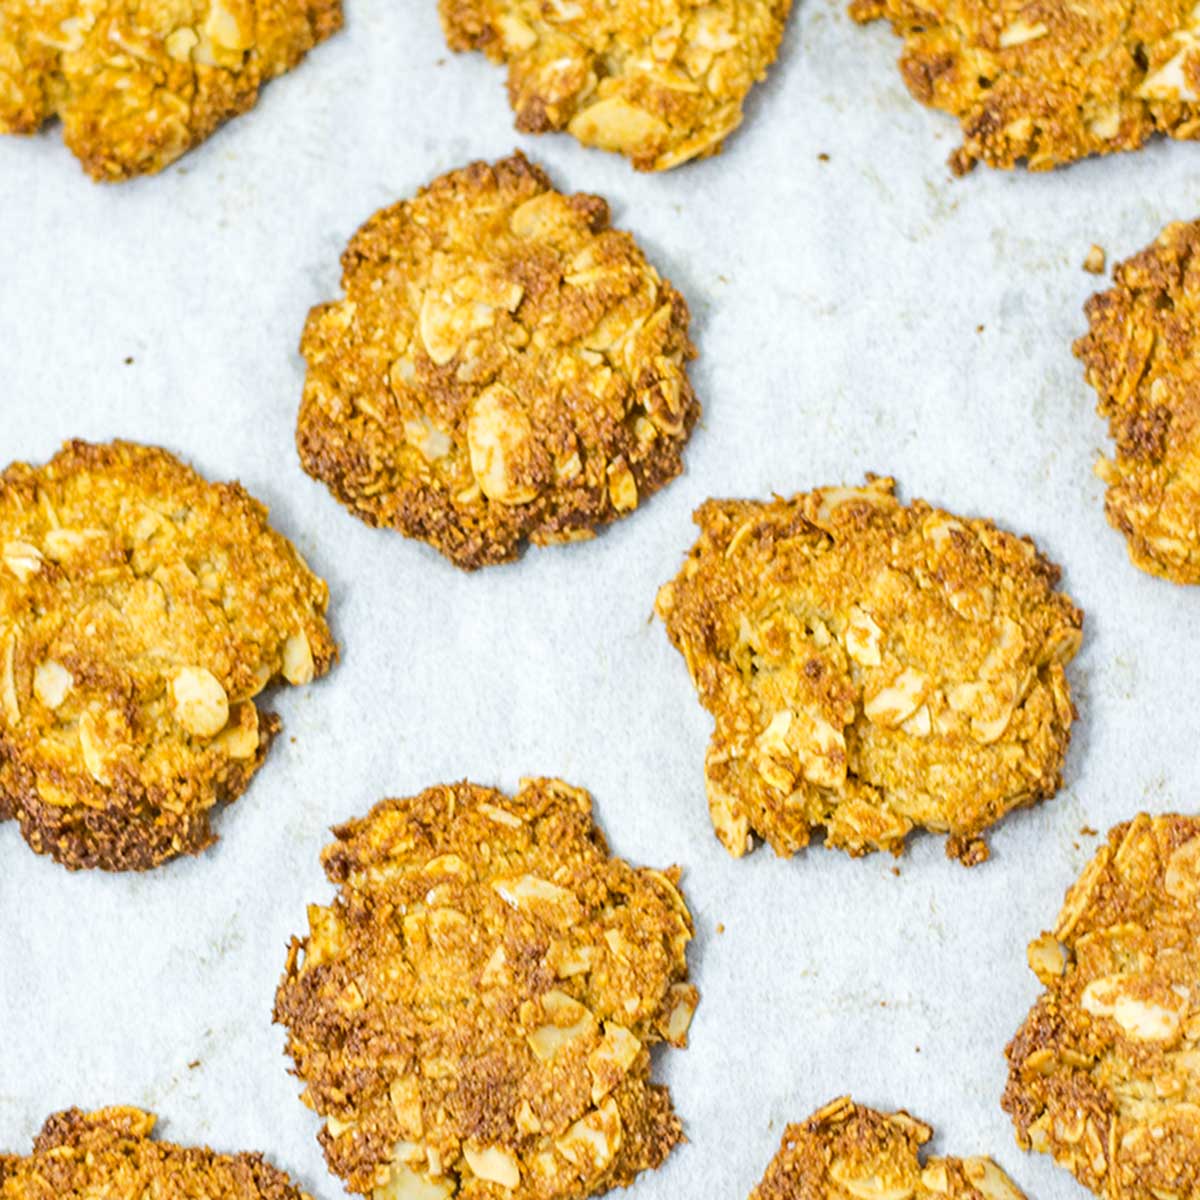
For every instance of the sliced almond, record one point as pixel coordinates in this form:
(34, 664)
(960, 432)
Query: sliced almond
(499, 438)
(22, 559)
(200, 703)
(51, 683)
(298, 665)
(494, 1165)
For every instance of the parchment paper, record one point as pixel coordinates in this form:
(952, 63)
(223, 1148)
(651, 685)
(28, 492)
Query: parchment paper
(865, 313)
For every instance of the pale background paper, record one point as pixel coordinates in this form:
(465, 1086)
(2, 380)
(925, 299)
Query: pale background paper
(836, 308)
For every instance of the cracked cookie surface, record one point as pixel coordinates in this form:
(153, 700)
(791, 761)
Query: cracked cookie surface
(142, 610)
(845, 1151)
(660, 82)
(504, 367)
(1048, 82)
(871, 668)
(1105, 1072)
(138, 83)
(473, 1014)
(111, 1153)
(1141, 354)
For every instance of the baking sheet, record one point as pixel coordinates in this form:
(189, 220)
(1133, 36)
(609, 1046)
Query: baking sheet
(864, 313)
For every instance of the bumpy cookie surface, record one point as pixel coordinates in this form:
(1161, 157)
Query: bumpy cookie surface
(847, 1152)
(142, 609)
(504, 367)
(1142, 355)
(660, 82)
(137, 83)
(1049, 82)
(1105, 1072)
(473, 1014)
(871, 668)
(110, 1153)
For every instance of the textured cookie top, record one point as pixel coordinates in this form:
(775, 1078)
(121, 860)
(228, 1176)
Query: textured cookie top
(504, 366)
(141, 611)
(871, 667)
(1142, 355)
(1105, 1072)
(847, 1152)
(661, 82)
(137, 83)
(473, 1013)
(110, 1153)
(1050, 81)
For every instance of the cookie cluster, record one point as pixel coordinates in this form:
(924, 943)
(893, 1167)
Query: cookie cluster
(480, 1009)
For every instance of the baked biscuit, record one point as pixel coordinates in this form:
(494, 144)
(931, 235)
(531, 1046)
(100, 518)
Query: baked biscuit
(660, 83)
(1141, 357)
(504, 367)
(1049, 82)
(1105, 1072)
(847, 1152)
(110, 1153)
(473, 1014)
(871, 667)
(141, 611)
(137, 83)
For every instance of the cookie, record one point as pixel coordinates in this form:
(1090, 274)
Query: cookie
(142, 610)
(1140, 355)
(847, 1152)
(661, 83)
(504, 367)
(473, 1014)
(871, 668)
(111, 1153)
(1105, 1071)
(1049, 82)
(137, 84)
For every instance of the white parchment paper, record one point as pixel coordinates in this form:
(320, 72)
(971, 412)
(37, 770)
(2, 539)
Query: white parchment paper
(864, 313)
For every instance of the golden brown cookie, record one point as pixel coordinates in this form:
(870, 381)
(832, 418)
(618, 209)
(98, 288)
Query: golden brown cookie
(137, 83)
(1049, 82)
(661, 83)
(504, 367)
(473, 1014)
(847, 1152)
(1142, 355)
(871, 668)
(141, 611)
(111, 1154)
(1105, 1072)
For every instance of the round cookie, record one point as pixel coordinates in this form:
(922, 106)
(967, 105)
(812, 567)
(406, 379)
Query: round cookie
(1050, 82)
(845, 1151)
(142, 610)
(1141, 355)
(111, 1153)
(473, 1014)
(871, 668)
(504, 367)
(1104, 1073)
(661, 83)
(139, 84)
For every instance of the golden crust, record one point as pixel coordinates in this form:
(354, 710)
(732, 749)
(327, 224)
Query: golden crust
(661, 81)
(848, 1152)
(1105, 1072)
(1142, 355)
(504, 367)
(141, 611)
(871, 667)
(137, 83)
(473, 1014)
(1049, 81)
(79, 1156)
